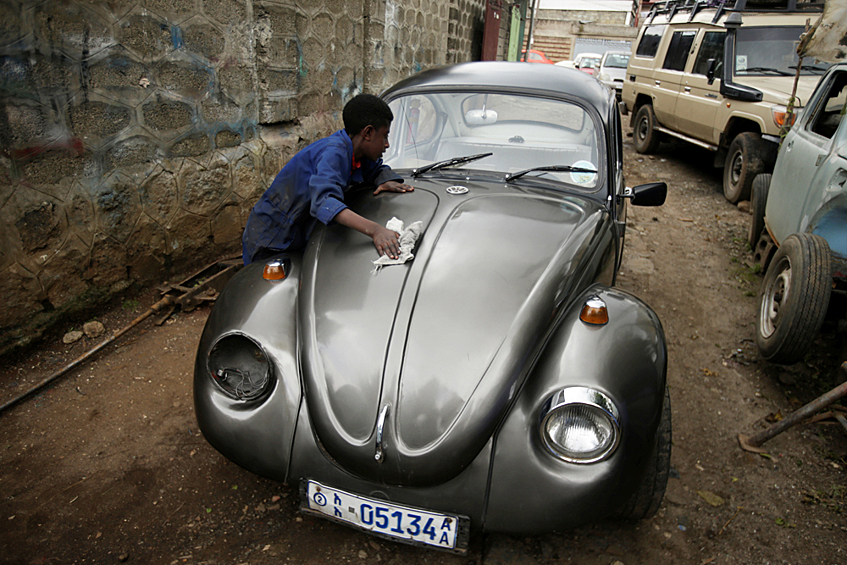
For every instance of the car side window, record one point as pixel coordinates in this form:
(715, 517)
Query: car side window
(678, 50)
(830, 110)
(710, 48)
(421, 119)
(649, 44)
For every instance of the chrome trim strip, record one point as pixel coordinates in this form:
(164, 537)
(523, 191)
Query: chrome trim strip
(380, 429)
(683, 137)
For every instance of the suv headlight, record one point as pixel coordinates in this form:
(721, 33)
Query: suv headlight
(240, 367)
(580, 425)
(780, 113)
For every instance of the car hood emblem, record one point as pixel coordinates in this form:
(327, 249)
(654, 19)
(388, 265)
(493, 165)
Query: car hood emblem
(456, 189)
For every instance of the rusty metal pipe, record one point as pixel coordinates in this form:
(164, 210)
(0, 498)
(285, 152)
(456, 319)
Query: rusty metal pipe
(165, 302)
(753, 442)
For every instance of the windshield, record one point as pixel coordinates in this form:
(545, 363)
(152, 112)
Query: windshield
(519, 131)
(617, 60)
(772, 51)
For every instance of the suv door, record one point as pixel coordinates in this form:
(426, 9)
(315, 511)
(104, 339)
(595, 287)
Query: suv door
(698, 100)
(668, 78)
(808, 160)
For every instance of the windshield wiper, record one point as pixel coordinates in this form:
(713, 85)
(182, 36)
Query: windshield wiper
(765, 70)
(808, 68)
(554, 168)
(448, 163)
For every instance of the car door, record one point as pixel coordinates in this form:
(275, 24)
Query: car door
(668, 78)
(698, 100)
(808, 159)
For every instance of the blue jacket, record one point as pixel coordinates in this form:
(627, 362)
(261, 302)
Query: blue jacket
(310, 187)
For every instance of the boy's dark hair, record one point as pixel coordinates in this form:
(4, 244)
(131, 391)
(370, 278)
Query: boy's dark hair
(365, 110)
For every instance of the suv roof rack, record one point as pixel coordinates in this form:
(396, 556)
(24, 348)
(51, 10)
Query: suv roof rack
(672, 7)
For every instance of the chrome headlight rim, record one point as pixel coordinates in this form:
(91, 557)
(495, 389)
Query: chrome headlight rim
(221, 374)
(580, 396)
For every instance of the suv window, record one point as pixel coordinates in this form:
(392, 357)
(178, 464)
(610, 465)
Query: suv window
(710, 48)
(829, 111)
(678, 50)
(649, 43)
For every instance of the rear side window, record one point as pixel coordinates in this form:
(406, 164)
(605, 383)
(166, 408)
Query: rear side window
(649, 43)
(678, 50)
(710, 48)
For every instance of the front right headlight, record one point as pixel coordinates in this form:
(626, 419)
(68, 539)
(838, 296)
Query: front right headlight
(580, 425)
(780, 115)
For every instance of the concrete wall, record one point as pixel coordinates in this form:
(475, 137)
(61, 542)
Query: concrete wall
(136, 136)
(557, 31)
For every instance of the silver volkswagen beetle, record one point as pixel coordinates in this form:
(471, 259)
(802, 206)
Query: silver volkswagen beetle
(497, 380)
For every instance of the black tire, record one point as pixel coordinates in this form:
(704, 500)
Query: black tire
(794, 298)
(758, 200)
(745, 160)
(644, 130)
(645, 501)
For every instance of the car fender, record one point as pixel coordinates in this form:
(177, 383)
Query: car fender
(266, 312)
(830, 220)
(627, 360)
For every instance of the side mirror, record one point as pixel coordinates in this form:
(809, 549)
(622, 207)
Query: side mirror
(710, 73)
(650, 194)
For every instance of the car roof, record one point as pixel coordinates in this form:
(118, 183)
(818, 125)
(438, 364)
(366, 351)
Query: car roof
(544, 80)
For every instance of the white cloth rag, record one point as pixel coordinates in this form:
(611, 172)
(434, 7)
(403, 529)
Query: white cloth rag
(408, 238)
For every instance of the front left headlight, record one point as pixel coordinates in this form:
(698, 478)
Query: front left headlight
(240, 367)
(580, 425)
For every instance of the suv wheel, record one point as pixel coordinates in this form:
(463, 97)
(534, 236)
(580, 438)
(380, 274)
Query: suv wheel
(794, 298)
(744, 161)
(646, 136)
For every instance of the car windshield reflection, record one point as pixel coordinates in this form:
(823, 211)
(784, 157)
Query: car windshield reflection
(520, 132)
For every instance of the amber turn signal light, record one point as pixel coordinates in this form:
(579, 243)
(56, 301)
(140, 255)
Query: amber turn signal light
(274, 271)
(594, 312)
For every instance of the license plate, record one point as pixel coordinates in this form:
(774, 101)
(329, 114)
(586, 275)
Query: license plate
(402, 523)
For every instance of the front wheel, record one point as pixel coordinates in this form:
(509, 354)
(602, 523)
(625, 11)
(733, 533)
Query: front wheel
(646, 136)
(794, 298)
(744, 161)
(645, 501)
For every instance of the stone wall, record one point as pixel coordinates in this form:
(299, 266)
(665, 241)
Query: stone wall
(136, 136)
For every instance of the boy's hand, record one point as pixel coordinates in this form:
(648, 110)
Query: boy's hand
(387, 242)
(393, 186)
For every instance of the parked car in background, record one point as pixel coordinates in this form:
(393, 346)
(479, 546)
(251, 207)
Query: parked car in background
(799, 225)
(720, 78)
(496, 382)
(586, 62)
(612, 70)
(535, 56)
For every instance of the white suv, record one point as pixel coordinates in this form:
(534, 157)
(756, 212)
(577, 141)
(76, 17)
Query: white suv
(721, 78)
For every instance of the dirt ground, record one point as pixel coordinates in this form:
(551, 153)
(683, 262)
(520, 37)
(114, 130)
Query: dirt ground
(107, 465)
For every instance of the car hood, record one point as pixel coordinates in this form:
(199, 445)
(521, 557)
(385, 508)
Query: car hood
(439, 345)
(777, 89)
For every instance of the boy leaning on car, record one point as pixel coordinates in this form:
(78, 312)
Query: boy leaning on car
(312, 184)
